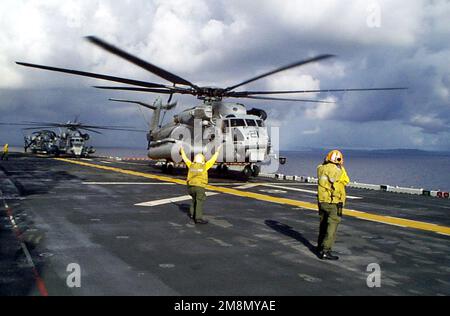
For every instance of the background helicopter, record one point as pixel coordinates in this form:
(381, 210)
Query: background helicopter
(72, 139)
(44, 141)
(243, 130)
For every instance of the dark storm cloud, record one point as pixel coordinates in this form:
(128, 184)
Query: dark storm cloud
(225, 42)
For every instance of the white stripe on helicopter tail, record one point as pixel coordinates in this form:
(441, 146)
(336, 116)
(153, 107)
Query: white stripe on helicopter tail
(171, 200)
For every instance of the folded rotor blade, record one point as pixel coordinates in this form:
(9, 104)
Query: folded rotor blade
(293, 65)
(139, 62)
(97, 76)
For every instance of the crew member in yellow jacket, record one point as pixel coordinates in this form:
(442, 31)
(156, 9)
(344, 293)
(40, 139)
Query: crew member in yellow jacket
(197, 180)
(5, 152)
(331, 195)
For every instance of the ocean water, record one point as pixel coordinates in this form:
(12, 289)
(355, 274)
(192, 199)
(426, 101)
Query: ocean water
(406, 168)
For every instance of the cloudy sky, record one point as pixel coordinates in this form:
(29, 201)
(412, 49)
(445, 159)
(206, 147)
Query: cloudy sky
(377, 43)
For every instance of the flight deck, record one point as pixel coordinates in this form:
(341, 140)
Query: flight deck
(125, 224)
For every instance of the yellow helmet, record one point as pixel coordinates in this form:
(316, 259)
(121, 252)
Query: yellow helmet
(199, 158)
(335, 156)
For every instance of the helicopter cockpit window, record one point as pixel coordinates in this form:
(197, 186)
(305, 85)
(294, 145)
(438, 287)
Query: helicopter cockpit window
(260, 123)
(226, 124)
(251, 122)
(237, 123)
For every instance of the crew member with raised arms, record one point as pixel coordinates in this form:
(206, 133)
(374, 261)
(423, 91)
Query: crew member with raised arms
(331, 195)
(197, 180)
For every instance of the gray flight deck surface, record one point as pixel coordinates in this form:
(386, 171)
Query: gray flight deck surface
(55, 213)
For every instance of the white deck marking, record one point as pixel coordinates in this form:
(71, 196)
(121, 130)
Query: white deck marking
(132, 163)
(171, 200)
(381, 222)
(248, 186)
(305, 191)
(220, 242)
(107, 162)
(179, 198)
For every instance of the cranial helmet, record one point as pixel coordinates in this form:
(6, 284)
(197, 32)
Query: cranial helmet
(335, 156)
(199, 158)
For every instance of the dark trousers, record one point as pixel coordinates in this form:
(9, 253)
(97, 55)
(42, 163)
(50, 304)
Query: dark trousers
(329, 222)
(198, 198)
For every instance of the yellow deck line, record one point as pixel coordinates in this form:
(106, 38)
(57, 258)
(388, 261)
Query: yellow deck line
(396, 221)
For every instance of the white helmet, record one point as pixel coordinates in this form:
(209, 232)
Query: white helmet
(199, 158)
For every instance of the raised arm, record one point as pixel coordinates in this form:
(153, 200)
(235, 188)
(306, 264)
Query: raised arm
(184, 157)
(213, 159)
(344, 179)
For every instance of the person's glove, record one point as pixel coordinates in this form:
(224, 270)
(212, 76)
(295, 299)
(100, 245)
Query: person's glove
(340, 208)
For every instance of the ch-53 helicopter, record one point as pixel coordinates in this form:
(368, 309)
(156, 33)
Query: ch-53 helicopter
(243, 130)
(44, 141)
(72, 139)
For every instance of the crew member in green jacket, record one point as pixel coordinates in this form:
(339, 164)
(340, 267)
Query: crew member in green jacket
(197, 180)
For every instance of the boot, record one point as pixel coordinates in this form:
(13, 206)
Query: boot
(327, 255)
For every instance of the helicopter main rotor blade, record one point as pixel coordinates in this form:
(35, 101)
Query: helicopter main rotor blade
(15, 124)
(296, 64)
(141, 63)
(33, 124)
(250, 93)
(135, 102)
(286, 99)
(95, 75)
(49, 124)
(164, 91)
(91, 130)
(106, 127)
(34, 128)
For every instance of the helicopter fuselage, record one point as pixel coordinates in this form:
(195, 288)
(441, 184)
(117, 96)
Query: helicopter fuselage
(199, 129)
(73, 142)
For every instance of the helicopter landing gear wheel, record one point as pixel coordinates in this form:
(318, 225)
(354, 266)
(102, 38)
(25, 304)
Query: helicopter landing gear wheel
(222, 169)
(256, 170)
(248, 171)
(168, 168)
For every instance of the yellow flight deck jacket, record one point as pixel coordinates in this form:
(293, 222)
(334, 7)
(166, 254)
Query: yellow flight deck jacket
(198, 173)
(331, 183)
(6, 148)
(340, 195)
